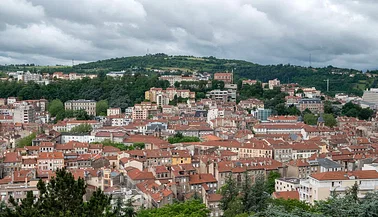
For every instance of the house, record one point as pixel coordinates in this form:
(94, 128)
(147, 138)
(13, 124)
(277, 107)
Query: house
(50, 161)
(212, 202)
(196, 181)
(12, 162)
(135, 176)
(46, 147)
(181, 157)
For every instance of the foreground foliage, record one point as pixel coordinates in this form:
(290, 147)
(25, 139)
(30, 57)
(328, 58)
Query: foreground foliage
(254, 200)
(190, 208)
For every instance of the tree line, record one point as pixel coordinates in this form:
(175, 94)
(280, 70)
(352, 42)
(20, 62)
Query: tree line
(118, 92)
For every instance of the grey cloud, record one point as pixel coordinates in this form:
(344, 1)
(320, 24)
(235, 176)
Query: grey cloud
(336, 32)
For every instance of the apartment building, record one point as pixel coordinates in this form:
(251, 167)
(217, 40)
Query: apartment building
(287, 184)
(274, 83)
(320, 185)
(88, 105)
(315, 105)
(24, 114)
(218, 95)
(143, 110)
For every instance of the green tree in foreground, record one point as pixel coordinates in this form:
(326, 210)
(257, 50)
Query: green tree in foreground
(271, 181)
(26, 141)
(101, 107)
(190, 208)
(62, 196)
(55, 107)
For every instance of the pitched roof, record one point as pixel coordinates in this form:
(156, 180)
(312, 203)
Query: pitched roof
(201, 178)
(286, 195)
(341, 175)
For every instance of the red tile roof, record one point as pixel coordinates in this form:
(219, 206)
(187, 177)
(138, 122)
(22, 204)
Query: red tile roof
(286, 195)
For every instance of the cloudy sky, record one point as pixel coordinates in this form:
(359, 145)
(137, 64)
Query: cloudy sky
(336, 32)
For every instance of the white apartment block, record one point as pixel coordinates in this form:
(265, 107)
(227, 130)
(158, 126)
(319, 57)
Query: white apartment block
(320, 185)
(24, 114)
(113, 111)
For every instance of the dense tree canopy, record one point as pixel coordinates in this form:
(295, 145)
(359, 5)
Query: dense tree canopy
(101, 107)
(353, 110)
(190, 208)
(123, 92)
(55, 107)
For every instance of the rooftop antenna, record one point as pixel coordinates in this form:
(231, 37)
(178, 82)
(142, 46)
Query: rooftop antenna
(309, 59)
(73, 62)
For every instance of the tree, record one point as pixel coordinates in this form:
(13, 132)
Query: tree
(229, 192)
(82, 128)
(190, 208)
(271, 181)
(310, 119)
(281, 109)
(258, 197)
(216, 84)
(26, 141)
(128, 210)
(291, 204)
(62, 196)
(293, 110)
(329, 120)
(98, 205)
(55, 107)
(365, 114)
(101, 107)
(328, 109)
(139, 145)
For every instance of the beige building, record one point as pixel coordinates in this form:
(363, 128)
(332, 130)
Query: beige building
(50, 161)
(143, 110)
(88, 105)
(274, 83)
(320, 185)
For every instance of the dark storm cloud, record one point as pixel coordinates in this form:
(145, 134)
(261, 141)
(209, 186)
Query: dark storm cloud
(335, 32)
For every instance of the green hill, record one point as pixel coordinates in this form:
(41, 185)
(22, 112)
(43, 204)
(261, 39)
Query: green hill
(341, 80)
